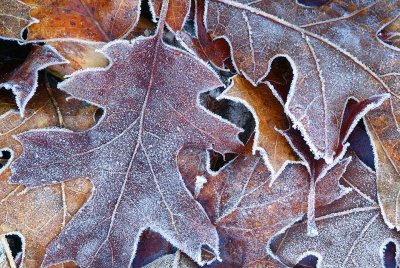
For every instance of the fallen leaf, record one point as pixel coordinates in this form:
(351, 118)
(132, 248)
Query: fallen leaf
(246, 209)
(83, 55)
(325, 60)
(352, 231)
(90, 20)
(383, 125)
(38, 215)
(80, 56)
(177, 13)
(318, 167)
(130, 156)
(23, 80)
(176, 260)
(215, 51)
(270, 117)
(390, 34)
(388, 183)
(14, 18)
(151, 247)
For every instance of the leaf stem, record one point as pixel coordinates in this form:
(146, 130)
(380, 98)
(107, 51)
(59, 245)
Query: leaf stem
(163, 16)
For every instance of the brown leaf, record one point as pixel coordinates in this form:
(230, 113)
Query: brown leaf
(352, 231)
(150, 112)
(383, 128)
(23, 80)
(388, 182)
(80, 56)
(83, 55)
(91, 20)
(324, 59)
(40, 214)
(269, 116)
(390, 34)
(246, 209)
(215, 51)
(178, 11)
(14, 18)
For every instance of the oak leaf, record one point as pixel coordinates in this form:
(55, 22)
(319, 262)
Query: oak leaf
(177, 14)
(14, 18)
(90, 20)
(270, 117)
(39, 214)
(329, 67)
(23, 80)
(130, 156)
(214, 51)
(352, 231)
(246, 208)
(80, 56)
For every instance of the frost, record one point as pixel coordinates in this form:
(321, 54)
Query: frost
(329, 67)
(91, 20)
(200, 181)
(351, 230)
(247, 211)
(130, 155)
(23, 80)
(14, 18)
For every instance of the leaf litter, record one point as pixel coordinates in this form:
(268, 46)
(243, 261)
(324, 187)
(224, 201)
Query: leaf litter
(296, 77)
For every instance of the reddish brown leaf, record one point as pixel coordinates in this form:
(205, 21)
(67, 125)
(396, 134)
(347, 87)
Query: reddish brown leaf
(14, 18)
(352, 231)
(23, 80)
(246, 209)
(178, 11)
(91, 20)
(39, 215)
(130, 156)
(325, 60)
(215, 51)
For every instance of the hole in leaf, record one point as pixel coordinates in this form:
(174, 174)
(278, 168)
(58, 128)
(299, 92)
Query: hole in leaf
(12, 54)
(360, 143)
(25, 34)
(281, 76)
(309, 261)
(312, 3)
(15, 243)
(232, 111)
(7, 101)
(389, 255)
(217, 160)
(98, 114)
(4, 158)
(145, 10)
